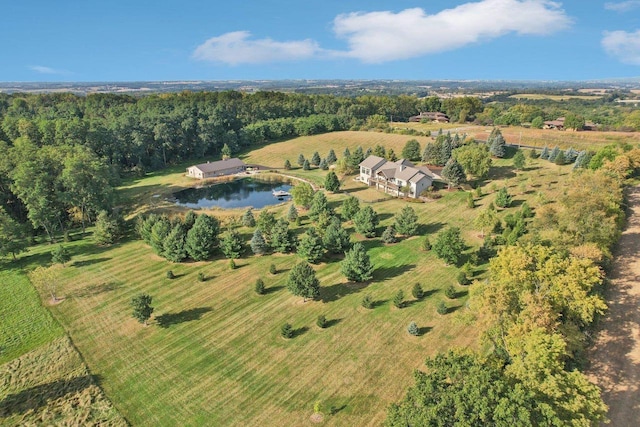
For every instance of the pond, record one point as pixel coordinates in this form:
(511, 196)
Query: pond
(240, 193)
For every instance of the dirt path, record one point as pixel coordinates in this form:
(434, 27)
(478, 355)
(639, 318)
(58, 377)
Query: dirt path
(615, 357)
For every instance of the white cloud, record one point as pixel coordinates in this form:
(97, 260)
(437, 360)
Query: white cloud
(622, 6)
(375, 37)
(386, 36)
(236, 48)
(45, 70)
(623, 45)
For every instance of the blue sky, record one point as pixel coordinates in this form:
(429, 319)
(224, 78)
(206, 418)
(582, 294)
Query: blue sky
(135, 40)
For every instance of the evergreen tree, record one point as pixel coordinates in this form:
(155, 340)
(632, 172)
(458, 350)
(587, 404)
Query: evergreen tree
(496, 143)
(389, 235)
(231, 245)
(446, 149)
(189, 220)
(60, 255)
(310, 246)
(174, 248)
(319, 205)
(315, 159)
(301, 160)
(582, 160)
(441, 308)
(367, 302)
(259, 287)
(287, 165)
(398, 299)
(226, 152)
(544, 154)
(286, 331)
(391, 155)
(560, 159)
(202, 239)
(453, 173)
(366, 221)
(141, 305)
(292, 214)
(248, 220)
(413, 329)
(411, 150)
(266, 221)
(324, 165)
(368, 152)
(272, 269)
(519, 160)
(407, 221)
(426, 244)
(107, 229)
(306, 166)
(554, 153)
(321, 321)
(331, 182)
(503, 199)
(417, 291)
(302, 281)
(159, 233)
(431, 154)
(570, 155)
(356, 265)
(350, 208)
(357, 157)
(379, 151)
(471, 203)
(331, 157)
(336, 239)
(346, 153)
(449, 245)
(282, 239)
(258, 244)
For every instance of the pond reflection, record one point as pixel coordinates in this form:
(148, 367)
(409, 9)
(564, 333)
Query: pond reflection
(240, 193)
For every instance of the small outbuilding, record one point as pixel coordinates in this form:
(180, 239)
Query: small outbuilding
(214, 169)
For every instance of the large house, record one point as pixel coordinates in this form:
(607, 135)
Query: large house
(213, 169)
(396, 178)
(433, 116)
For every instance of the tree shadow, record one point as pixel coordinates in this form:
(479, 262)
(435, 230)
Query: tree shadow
(339, 290)
(97, 289)
(332, 322)
(427, 293)
(34, 398)
(89, 262)
(333, 410)
(434, 227)
(168, 319)
(386, 273)
(383, 216)
(500, 172)
(410, 303)
(461, 294)
(273, 289)
(453, 309)
(378, 303)
(299, 331)
(424, 330)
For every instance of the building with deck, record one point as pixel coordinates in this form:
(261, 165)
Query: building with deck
(401, 178)
(214, 169)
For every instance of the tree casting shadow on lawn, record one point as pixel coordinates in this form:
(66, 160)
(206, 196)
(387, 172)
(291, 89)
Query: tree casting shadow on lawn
(169, 319)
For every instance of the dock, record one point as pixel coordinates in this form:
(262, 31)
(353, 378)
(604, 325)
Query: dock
(280, 194)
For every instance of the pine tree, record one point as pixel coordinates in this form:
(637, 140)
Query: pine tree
(379, 151)
(231, 245)
(544, 154)
(441, 308)
(356, 265)
(331, 182)
(554, 153)
(226, 152)
(346, 153)
(413, 329)
(391, 155)
(315, 159)
(560, 159)
(259, 287)
(336, 239)
(202, 239)
(258, 244)
(107, 229)
(411, 150)
(302, 281)
(319, 205)
(496, 142)
(174, 248)
(60, 255)
(519, 160)
(324, 165)
(366, 221)
(142, 309)
(398, 299)
(367, 302)
(306, 166)
(417, 291)
(159, 233)
(471, 203)
(453, 173)
(389, 235)
(503, 199)
(350, 208)
(301, 160)
(331, 157)
(321, 321)
(272, 269)
(310, 247)
(282, 239)
(445, 150)
(248, 220)
(286, 331)
(431, 154)
(357, 157)
(406, 222)
(582, 160)
(287, 165)
(292, 214)
(189, 220)
(426, 244)
(570, 155)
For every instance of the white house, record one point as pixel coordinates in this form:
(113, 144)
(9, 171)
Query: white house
(213, 169)
(393, 177)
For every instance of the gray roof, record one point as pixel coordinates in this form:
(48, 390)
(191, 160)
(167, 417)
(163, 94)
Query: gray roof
(372, 162)
(389, 173)
(219, 165)
(404, 162)
(417, 177)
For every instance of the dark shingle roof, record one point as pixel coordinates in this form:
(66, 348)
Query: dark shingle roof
(220, 165)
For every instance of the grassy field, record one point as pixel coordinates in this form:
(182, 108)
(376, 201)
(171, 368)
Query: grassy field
(212, 354)
(554, 97)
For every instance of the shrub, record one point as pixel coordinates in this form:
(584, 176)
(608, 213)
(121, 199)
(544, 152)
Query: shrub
(413, 329)
(321, 321)
(367, 302)
(389, 235)
(201, 277)
(259, 287)
(272, 269)
(170, 275)
(286, 331)
(417, 291)
(232, 264)
(462, 278)
(426, 244)
(441, 307)
(450, 292)
(398, 299)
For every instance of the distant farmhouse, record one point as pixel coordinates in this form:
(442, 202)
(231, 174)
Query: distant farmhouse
(433, 116)
(394, 177)
(213, 169)
(558, 124)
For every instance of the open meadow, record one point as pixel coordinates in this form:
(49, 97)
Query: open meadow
(213, 354)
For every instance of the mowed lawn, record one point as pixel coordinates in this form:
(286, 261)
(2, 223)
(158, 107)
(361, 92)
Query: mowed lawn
(213, 355)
